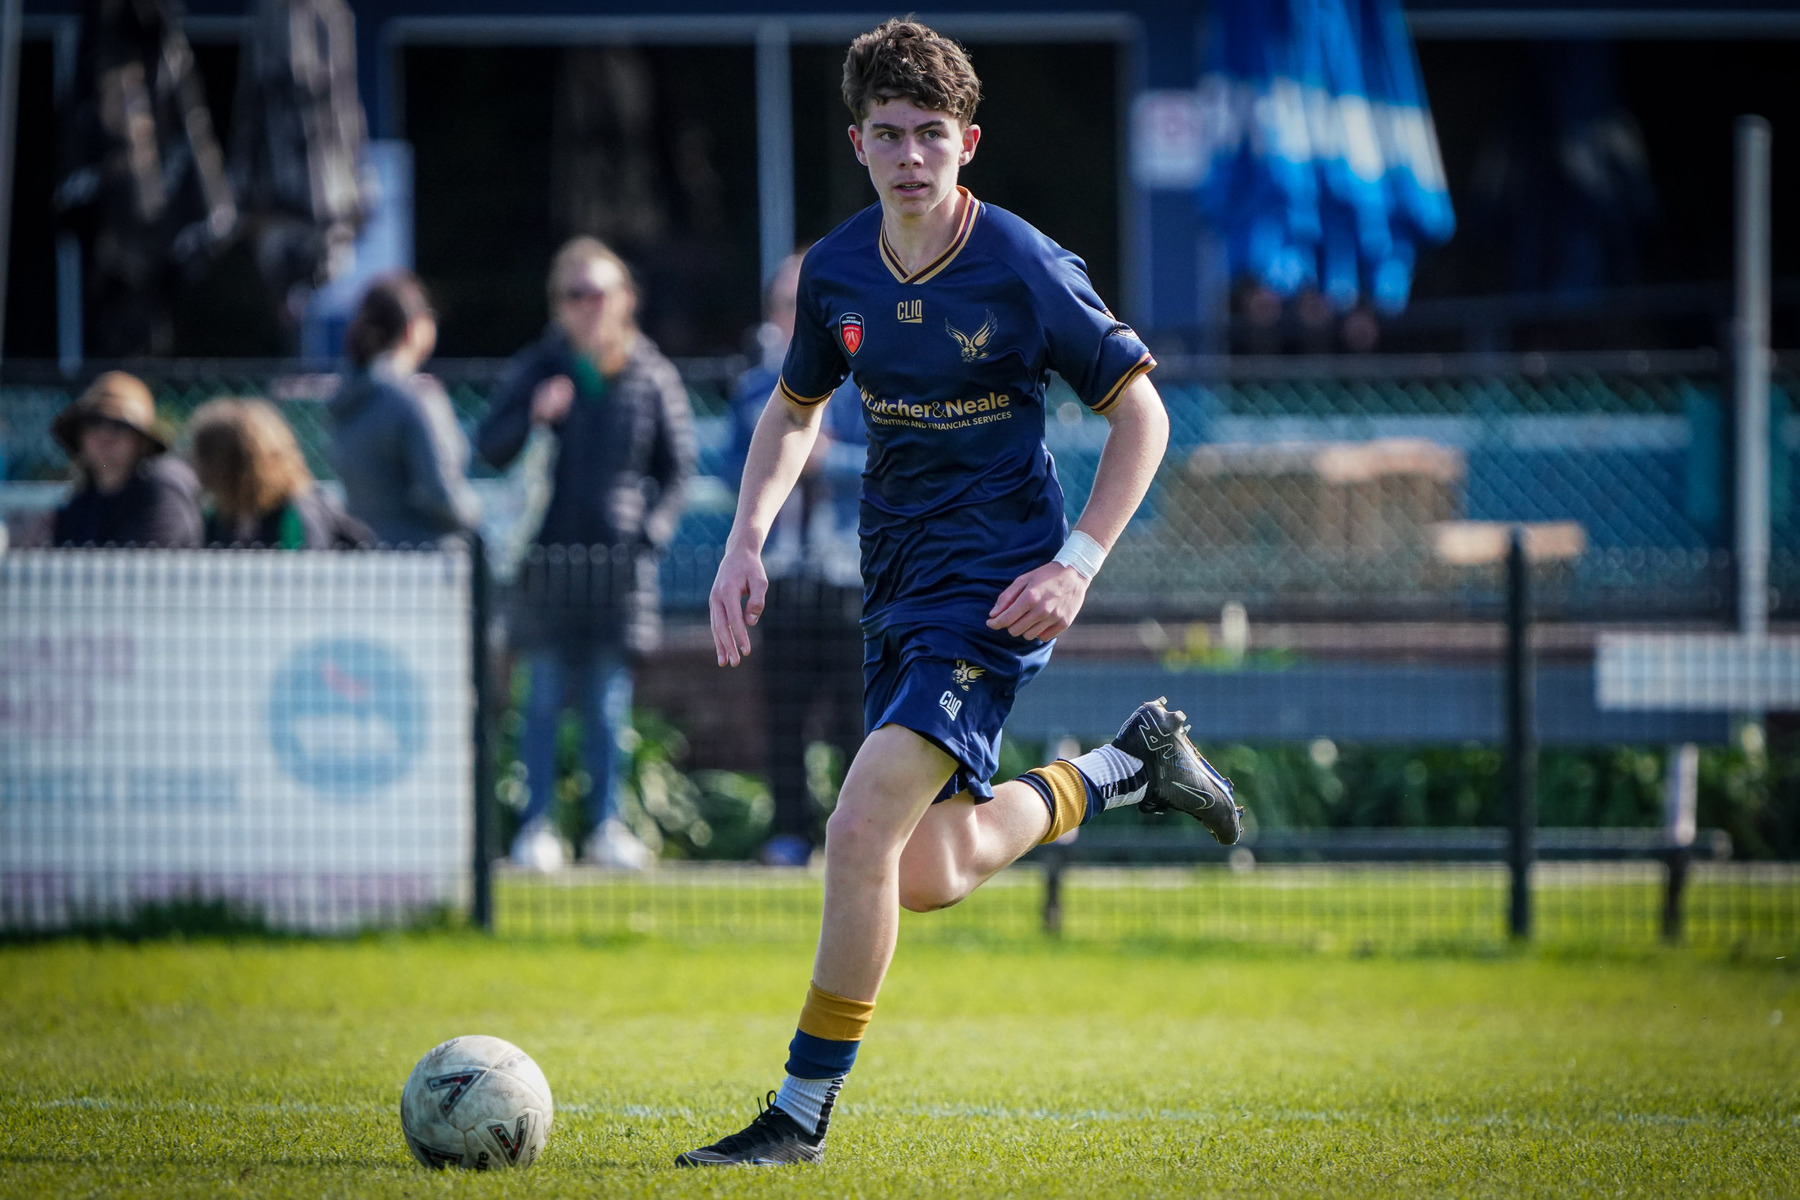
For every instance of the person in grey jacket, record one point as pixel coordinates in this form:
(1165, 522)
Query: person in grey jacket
(395, 444)
(586, 601)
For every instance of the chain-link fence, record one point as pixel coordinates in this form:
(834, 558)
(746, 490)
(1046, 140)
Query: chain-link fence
(1308, 493)
(298, 736)
(1314, 578)
(1301, 490)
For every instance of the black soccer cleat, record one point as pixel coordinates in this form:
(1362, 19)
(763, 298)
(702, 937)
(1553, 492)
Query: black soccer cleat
(773, 1139)
(1179, 778)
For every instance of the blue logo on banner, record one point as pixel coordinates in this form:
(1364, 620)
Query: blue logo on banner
(346, 717)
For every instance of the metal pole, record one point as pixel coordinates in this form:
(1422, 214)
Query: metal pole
(774, 146)
(1675, 891)
(12, 20)
(68, 246)
(481, 907)
(1053, 872)
(1750, 358)
(1521, 733)
(1681, 786)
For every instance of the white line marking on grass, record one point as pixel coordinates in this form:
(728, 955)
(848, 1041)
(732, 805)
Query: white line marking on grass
(116, 1104)
(995, 1112)
(642, 1112)
(1003, 1113)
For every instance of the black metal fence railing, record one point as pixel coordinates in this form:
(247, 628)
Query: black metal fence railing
(318, 742)
(1637, 867)
(1359, 904)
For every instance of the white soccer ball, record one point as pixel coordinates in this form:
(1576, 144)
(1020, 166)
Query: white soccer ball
(476, 1102)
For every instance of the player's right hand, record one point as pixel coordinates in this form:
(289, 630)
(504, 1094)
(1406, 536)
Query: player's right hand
(551, 399)
(740, 575)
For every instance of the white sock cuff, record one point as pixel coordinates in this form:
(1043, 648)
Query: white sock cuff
(805, 1099)
(1106, 765)
(1118, 778)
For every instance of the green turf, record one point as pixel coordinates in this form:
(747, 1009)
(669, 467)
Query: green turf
(262, 1068)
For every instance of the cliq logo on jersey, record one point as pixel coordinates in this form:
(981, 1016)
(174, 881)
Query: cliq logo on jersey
(850, 330)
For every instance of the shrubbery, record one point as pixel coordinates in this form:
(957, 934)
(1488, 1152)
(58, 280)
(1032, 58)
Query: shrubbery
(1749, 789)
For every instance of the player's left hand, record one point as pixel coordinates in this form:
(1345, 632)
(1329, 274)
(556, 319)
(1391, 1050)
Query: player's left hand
(1040, 604)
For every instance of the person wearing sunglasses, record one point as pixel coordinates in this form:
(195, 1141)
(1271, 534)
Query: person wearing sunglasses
(128, 491)
(614, 416)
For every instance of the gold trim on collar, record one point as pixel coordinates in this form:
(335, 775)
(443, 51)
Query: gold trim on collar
(892, 260)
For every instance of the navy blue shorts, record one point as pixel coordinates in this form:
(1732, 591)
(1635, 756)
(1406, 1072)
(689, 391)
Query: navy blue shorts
(954, 687)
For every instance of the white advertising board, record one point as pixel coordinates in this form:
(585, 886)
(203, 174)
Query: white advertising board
(287, 731)
(1697, 672)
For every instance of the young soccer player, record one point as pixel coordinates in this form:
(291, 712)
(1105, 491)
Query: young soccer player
(950, 314)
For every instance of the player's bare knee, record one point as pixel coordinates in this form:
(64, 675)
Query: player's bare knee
(854, 838)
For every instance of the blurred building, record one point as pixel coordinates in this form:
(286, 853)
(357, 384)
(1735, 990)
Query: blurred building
(1587, 147)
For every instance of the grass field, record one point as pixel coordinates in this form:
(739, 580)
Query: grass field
(270, 1068)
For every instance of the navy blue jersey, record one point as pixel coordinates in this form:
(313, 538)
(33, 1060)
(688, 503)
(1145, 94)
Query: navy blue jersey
(960, 496)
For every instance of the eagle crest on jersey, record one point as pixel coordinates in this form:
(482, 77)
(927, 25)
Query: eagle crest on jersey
(964, 674)
(973, 345)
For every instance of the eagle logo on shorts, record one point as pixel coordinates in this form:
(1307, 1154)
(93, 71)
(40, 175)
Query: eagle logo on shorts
(964, 674)
(973, 345)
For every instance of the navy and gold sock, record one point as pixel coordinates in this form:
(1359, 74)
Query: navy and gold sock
(1066, 792)
(821, 1054)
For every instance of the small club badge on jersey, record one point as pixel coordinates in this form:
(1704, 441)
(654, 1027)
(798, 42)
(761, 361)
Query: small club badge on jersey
(850, 331)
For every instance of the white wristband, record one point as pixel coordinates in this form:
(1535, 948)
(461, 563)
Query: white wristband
(1082, 553)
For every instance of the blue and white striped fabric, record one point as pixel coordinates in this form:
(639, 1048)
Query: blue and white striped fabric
(1321, 163)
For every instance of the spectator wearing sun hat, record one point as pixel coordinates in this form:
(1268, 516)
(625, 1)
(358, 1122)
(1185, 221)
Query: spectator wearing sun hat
(128, 491)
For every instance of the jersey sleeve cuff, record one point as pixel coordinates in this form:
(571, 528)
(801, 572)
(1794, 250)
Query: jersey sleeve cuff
(793, 397)
(1141, 367)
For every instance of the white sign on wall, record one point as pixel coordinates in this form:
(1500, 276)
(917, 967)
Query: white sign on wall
(287, 731)
(1167, 140)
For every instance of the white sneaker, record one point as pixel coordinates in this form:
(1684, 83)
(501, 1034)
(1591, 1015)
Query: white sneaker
(612, 844)
(538, 848)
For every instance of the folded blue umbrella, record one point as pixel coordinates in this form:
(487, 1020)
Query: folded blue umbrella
(1418, 198)
(1259, 186)
(1321, 164)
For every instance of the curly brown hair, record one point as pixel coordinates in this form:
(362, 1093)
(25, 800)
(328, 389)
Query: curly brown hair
(246, 456)
(902, 59)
